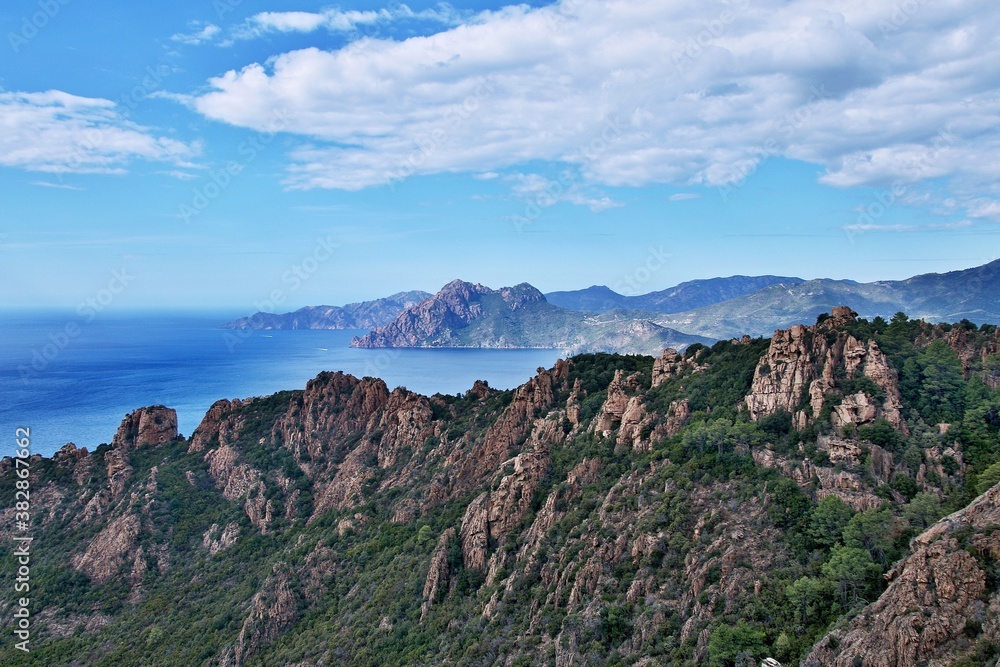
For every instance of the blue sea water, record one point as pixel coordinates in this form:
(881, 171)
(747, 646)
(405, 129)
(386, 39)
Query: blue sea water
(71, 380)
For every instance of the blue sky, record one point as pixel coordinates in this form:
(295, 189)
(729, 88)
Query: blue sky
(226, 153)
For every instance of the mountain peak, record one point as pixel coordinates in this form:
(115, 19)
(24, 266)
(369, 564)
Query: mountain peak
(464, 314)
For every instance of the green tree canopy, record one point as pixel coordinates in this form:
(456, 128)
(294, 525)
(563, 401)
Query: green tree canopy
(852, 569)
(828, 521)
(727, 642)
(872, 530)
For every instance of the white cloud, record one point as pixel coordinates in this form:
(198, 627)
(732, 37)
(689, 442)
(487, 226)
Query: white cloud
(684, 196)
(545, 192)
(180, 175)
(57, 132)
(634, 92)
(201, 33)
(868, 227)
(59, 186)
(337, 20)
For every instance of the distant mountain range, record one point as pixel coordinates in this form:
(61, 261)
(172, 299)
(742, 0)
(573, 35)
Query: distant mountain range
(470, 315)
(599, 319)
(972, 294)
(686, 296)
(361, 315)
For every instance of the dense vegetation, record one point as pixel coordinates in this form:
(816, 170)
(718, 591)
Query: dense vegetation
(359, 590)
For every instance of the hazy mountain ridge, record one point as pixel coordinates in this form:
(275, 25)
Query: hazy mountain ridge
(972, 294)
(471, 315)
(685, 296)
(599, 319)
(718, 507)
(360, 315)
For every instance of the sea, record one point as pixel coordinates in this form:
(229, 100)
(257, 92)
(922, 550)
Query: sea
(72, 377)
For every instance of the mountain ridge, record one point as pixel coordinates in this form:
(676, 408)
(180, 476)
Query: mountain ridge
(464, 314)
(681, 297)
(972, 294)
(359, 315)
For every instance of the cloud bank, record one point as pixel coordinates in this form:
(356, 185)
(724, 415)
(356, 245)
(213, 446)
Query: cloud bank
(57, 132)
(638, 92)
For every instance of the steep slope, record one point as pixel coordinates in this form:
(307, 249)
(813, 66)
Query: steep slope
(470, 315)
(972, 294)
(942, 605)
(361, 315)
(680, 510)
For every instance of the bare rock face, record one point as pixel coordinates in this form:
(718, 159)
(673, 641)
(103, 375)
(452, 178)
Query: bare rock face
(844, 479)
(217, 426)
(634, 423)
(800, 370)
(75, 459)
(535, 397)
(240, 481)
(620, 391)
(333, 406)
(480, 390)
(785, 371)
(107, 552)
(119, 472)
(494, 513)
(854, 409)
(155, 425)
(971, 352)
(439, 574)
(216, 539)
(937, 595)
(573, 403)
(669, 364)
(677, 416)
(405, 421)
(272, 609)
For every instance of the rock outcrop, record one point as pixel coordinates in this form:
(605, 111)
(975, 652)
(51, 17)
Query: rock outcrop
(940, 602)
(216, 539)
(155, 425)
(272, 610)
(439, 574)
(672, 364)
(620, 391)
(106, 553)
(845, 478)
(806, 366)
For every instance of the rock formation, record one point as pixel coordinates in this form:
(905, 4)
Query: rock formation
(939, 602)
(806, 366)
(439, 573)
(155, 425)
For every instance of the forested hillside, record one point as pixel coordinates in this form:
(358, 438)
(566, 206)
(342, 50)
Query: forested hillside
(717, 507)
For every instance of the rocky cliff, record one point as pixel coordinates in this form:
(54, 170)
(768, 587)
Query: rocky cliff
(942, 605)
(806, 368)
